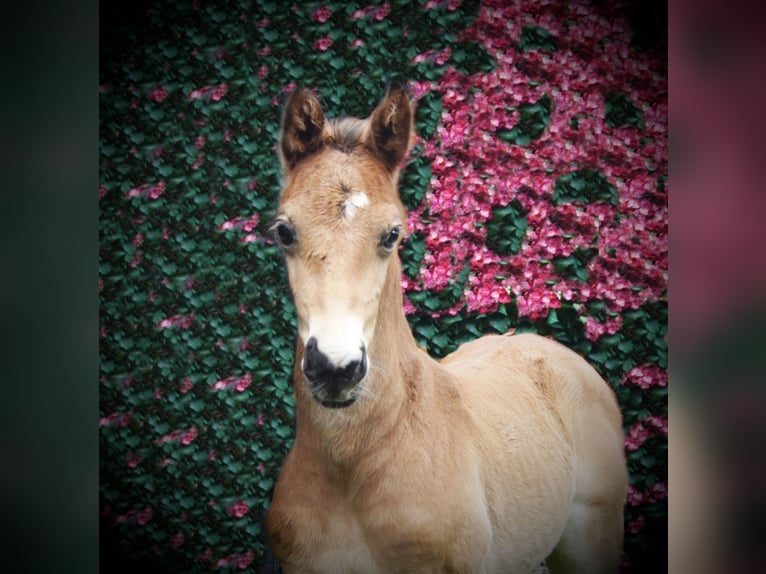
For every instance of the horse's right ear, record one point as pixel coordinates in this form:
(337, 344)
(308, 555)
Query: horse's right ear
(302, 127)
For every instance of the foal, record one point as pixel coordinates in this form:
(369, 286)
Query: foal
(506, 453)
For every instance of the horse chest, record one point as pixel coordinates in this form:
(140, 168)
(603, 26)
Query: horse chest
(387, 534)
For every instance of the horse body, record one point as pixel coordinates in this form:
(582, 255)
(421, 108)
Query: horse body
(503, 454)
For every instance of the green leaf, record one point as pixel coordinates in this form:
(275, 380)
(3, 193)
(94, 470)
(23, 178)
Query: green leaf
(584, 186)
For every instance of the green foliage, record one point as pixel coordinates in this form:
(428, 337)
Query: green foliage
(533, 119)
(412, 253)
(575, 266)
(536, 38)
(620, 111)
(506, 228)
(584, 186)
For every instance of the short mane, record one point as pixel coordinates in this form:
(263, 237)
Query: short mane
(347, 133)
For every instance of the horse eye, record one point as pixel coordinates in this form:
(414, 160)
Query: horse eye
(285, 235)
(389, 240)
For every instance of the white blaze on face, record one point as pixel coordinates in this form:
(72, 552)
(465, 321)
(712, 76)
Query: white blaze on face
(356, 200)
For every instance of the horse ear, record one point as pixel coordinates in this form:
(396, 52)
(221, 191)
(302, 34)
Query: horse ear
(391, 127)
(302, 127)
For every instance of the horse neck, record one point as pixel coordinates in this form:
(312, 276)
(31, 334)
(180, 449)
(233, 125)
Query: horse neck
(345, 434)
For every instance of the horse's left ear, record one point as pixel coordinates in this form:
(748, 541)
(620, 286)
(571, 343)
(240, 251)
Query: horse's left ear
(391, 127)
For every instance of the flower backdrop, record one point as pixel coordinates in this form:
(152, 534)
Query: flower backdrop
(537, 197)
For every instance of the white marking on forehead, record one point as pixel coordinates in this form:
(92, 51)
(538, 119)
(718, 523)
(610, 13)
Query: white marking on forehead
(356, 200)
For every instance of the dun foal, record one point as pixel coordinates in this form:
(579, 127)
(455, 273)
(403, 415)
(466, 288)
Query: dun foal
(506, 453)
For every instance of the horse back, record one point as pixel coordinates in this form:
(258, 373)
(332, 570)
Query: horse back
(549, 431)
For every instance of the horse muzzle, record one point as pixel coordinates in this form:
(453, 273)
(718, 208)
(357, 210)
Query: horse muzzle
(334, 382)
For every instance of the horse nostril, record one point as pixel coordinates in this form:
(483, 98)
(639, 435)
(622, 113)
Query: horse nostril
(318, 367)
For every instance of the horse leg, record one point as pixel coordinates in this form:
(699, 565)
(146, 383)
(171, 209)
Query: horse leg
(592, 539)
(591, 542)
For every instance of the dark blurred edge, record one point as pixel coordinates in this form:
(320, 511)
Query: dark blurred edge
(48, 297)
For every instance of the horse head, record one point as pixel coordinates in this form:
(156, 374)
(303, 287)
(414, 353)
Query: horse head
(339, 223)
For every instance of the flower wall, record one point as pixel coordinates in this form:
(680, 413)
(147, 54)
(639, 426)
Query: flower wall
(537, 197)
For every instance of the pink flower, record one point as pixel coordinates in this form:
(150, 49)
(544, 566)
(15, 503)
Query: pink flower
(189, 436)
(185, 386)
(158, 94)
(145, 516)
(245, 560)
(239, 509)
(219, 92)
(176, 540)
(635, 497)
(147, 190)
(382, 12)
(361, 13)
(636, 525)
(243, 383)
(660, 424)
(207, 555)
(637, 435)
(157, 190)
(238, 383)
(199, 143)
(323, 43)
(658, 491)
(180, 321)
(132, 460)
(198, 93)
(116, 419)
(322, 14)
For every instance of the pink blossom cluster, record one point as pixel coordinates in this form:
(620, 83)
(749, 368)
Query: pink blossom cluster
(214, 93)
(321, 14)
(379, 13)
(642, 430)
(116, 419)
(158, 94)
(240, 223)
(475, 170)
(239, 509)
(152, 191)
(241, 561)
(646, 377)
(139, 517)
(451, 5)
(323, 44)
(177, 540)
(180, 321)
(185, 385)
(239, 384)
(182, 437)
(132, 460)
(656, 492)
